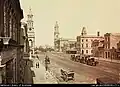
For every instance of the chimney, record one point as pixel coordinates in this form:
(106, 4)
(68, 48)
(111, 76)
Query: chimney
(98, 33)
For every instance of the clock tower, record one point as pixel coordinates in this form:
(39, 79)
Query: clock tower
(31, 33)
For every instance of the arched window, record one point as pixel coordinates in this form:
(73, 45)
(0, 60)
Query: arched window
(30, 42)
(82, 51)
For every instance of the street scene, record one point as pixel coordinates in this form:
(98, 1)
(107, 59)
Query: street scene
(35, 48)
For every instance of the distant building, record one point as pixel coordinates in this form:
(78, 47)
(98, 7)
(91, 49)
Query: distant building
(84, 42)
(67, 44)
(62, 44)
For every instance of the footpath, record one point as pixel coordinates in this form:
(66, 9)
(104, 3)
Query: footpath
(41, 75)
(109, 60)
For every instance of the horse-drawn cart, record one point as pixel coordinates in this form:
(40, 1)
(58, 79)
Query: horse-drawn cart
(67, 74)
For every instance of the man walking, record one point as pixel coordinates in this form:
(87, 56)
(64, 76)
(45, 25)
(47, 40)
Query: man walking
(46, 65)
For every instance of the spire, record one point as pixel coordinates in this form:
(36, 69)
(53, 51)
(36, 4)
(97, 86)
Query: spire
(83, 31)
(30, 11)
(56, 27)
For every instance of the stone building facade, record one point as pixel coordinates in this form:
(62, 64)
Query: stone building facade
(10, 26)
(26, 50)
(31, 32)
(84, 42)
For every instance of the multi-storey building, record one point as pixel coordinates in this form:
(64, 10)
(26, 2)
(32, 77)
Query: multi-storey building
(11, 52)
(110, 45)
(98, 48)
(118, 50)
(26, 60)
(84, 42)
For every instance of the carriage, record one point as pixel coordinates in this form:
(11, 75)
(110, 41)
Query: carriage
(91, 61)
(67, 74)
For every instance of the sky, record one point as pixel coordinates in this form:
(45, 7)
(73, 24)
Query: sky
(72, 16)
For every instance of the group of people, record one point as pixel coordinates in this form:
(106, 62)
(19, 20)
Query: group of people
(37, 65)
(47, 61)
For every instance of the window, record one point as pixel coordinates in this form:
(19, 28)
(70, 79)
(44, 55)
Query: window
(10, 22)
(82, 40)
(91, 51)
(108, 54)
(30, 29)
(82, 45)
(82, 51)
(14, 29)
(86, 45)
(86, 51)
(86, 40)
(32, 24)
(5, 26)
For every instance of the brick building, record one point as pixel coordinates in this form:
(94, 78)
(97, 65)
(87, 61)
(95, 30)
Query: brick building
(118, 50)
(10, 26)
(98, 48)
(110, 45)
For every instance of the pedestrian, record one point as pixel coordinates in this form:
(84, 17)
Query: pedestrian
(38, 64)
(46, 67)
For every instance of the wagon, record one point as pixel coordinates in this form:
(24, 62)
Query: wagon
(67, 75)
(91, 61)
(73, 57)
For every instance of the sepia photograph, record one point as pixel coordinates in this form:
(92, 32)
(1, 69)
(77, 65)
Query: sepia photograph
(60, 42)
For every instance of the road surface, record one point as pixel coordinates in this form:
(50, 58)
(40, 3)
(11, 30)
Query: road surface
(83, 73)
